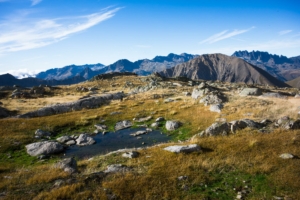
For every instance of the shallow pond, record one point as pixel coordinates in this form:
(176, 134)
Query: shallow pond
(113, 141)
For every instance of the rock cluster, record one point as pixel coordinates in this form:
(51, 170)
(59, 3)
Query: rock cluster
(87, 103)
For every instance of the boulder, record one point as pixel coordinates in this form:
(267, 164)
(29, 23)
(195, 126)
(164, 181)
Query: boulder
(42, 133)
(131, 154)
(155, 124)
(251, 92)
(117, 168)
(197, 93)
(45, 148)
(211, 99)
(217, 129)
(70, 142)
(64, 139)
(100, 127)
(84, 140)
(172, 125)
(250, 123)
(244, 123)
(122, 125)
(68, 165)
(143, 119)
(160, 119)
(183, 149)
(216, 108)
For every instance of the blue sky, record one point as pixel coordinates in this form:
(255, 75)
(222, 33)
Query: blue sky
(36, 35)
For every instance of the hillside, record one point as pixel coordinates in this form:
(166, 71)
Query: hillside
(223, 68)
(281, 67)
(294, 83)
(248, 150)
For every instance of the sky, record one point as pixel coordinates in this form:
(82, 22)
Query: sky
(36, 35)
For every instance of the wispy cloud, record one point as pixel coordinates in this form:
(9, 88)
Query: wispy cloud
(35, 2)
(284, 32)
(23, 35)
(22, 73)
(224, 35)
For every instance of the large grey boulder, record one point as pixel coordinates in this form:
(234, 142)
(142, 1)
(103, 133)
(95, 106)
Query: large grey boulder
(172, 125)
(122, 125)
(68, 165)
(117, 168)
(211, 99)
(84, 140)
(251, 92)
(45, 148)
(217, 129)
(183, 149)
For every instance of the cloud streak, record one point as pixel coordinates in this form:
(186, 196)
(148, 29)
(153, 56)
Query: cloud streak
(224, 35)
(35, 2)
(284, 32)
(16, 36)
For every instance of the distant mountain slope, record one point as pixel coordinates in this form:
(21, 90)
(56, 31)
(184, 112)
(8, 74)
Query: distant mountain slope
(280, 67)
(146, 66)
(69, 72)
(141, 67)
(294, 83)
(223, 68)
(10, 80)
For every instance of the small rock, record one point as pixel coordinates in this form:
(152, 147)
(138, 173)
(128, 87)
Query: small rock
(68, 165)
(172, 125)
(160, 119)
(251, 92)
(117, 168)
(181, 178)
(286, 156)
(131, 154)
(84, 140)
(100, 127)
(122, 125)
(138, 133)
(216, 108)
(42, 133)
(70, 142)
(155, 124)
(64, 139)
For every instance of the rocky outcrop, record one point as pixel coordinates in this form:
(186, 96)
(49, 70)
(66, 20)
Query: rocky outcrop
(87, 103)
(117, 168)
(251, 92)
(45, 148)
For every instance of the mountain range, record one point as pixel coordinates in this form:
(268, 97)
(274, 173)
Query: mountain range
(223, 68)
(243, 66)
(281, 67)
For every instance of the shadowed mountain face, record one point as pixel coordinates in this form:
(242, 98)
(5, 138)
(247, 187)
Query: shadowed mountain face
(69, 72)
(294, 83)
(223, 68)
(10, 80)
(280, 67)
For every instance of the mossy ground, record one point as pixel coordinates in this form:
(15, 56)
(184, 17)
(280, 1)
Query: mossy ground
(225, 166)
